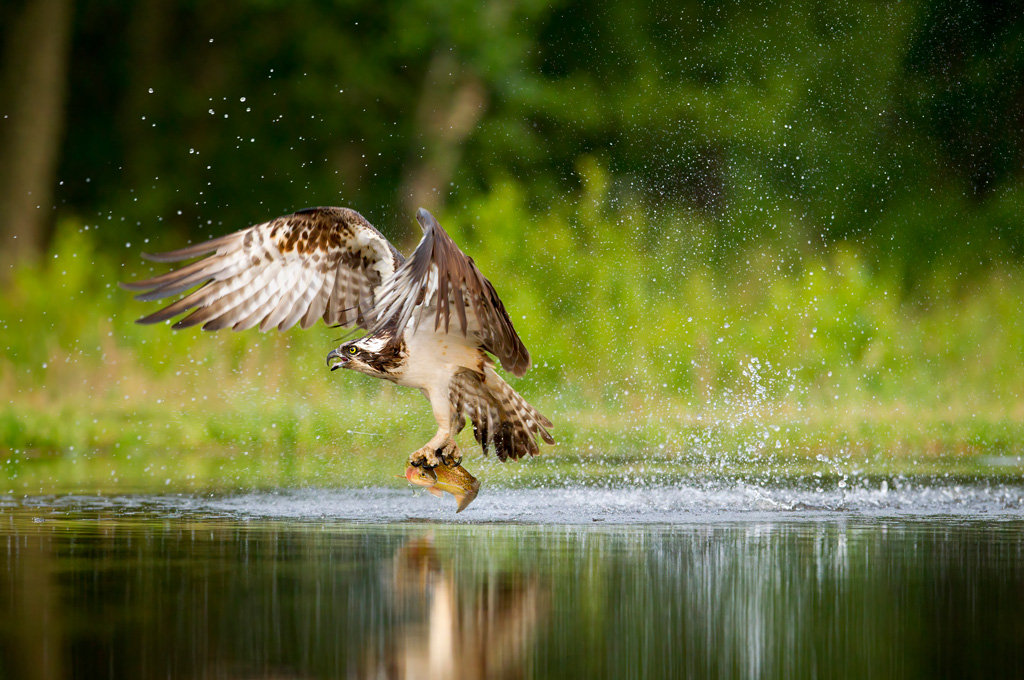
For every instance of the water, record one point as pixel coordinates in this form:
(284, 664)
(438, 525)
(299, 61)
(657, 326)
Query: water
(738, 582)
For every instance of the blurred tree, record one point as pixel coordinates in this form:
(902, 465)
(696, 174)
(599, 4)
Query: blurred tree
(218, 116)
(786, 126)
(32, 87)
(966, 66)
(450, 107)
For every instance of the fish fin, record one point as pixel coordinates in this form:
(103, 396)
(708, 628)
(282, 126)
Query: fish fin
(468, 497)
(436, 492)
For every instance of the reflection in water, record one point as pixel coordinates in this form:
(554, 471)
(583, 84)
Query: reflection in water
(87, 596)
(28, 596)
(475, 629)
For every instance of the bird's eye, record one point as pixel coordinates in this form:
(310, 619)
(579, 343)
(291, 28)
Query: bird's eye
(353, 350)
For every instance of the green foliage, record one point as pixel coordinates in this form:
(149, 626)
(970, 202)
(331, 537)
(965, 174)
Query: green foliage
(646, 356)
(621, 299)
(790, 126)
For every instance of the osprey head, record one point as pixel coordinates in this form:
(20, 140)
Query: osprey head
(370, 354)
(349, 355)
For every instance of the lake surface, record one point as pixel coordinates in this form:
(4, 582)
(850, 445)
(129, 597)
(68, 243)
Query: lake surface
(570, 583)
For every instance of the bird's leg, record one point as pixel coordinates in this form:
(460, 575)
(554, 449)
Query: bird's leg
(430, 454)
(441, 448)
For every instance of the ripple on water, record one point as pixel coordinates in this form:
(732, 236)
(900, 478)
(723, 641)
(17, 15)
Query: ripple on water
(573, 505)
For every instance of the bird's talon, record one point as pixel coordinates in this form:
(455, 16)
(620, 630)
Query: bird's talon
(450, 454)
(424, 458)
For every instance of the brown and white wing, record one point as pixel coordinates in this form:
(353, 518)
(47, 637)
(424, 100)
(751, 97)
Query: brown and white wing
(439, 280)
(319, 263)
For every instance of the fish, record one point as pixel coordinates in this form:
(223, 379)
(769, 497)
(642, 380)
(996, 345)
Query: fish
(420, 476)
(454, 479)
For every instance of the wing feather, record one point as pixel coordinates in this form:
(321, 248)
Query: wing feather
(307, 293)
(220, 312)
(259, 293)
(184, 304)
(264, 305)
(323, 295)
(189, 252)
(316, 263)
(502, 419)
(220, 300)
(287, 302)
(336, 312)
(438, 276)
(173, 277)
(184, 283)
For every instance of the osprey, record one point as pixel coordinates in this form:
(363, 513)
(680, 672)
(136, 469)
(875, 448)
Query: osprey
(432, 320)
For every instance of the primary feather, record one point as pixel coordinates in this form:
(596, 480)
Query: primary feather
(274, 274)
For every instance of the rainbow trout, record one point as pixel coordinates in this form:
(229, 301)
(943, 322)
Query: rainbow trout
(455, 480)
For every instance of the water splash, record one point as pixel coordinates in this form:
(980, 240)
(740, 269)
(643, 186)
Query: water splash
(571, 505)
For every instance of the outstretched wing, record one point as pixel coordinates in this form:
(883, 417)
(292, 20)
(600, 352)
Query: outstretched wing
(324, 263)
(438, 278)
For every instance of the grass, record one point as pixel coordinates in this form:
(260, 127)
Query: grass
(812, 367)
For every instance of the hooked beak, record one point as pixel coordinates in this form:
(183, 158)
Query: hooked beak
(335, 354)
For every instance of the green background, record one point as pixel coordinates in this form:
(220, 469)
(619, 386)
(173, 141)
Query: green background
(765, 240)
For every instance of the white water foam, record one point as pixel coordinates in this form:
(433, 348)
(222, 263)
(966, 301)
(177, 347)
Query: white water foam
(574, 505)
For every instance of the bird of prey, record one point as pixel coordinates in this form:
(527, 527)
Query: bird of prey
(432, 320)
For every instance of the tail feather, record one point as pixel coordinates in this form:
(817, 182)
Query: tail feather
(501, 418)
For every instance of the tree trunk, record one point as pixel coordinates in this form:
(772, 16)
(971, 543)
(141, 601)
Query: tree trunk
(450, 106)
(33, 83)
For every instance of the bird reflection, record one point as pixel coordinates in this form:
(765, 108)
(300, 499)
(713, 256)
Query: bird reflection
(31, 598)
(481, 626)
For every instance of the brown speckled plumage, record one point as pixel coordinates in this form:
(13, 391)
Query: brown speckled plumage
(318, 263)
(331, 264)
